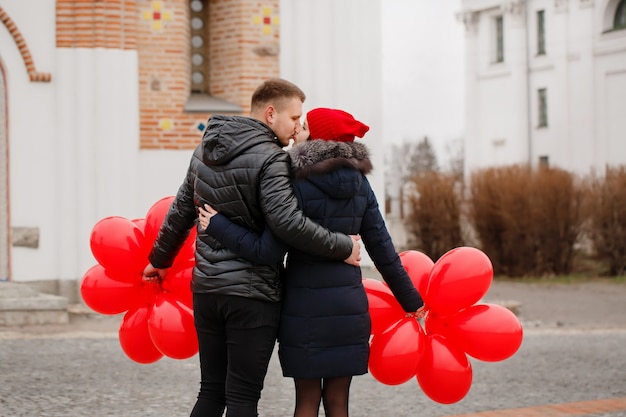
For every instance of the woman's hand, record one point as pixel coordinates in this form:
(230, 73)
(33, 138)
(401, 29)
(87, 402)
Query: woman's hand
(420, 313)
(204, 215)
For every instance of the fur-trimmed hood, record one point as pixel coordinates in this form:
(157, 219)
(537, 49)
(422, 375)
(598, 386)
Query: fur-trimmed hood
(321, 156)
(337, 168)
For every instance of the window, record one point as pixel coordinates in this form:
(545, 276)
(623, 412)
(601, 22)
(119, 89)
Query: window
(499, 39)
(198, 16)
(543, 107)
(541, 33)
(620, 16)
(200, 98)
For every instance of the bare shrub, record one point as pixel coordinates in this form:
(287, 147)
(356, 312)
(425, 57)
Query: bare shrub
(557, 219)
(500, 210)
(527, 220)
(606, 207)
(434, 220)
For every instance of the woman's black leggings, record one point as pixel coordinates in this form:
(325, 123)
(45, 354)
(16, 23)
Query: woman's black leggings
(333, 392)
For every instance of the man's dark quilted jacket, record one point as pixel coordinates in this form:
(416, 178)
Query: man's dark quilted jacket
(241, 170)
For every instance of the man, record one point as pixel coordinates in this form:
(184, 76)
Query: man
(241, 170)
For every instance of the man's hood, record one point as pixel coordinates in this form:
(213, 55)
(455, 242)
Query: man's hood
(229, 136)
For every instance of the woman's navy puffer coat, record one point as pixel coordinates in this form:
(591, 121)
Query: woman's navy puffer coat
(325, 324)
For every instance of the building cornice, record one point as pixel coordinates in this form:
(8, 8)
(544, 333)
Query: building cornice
(514, 7)
(469, 18)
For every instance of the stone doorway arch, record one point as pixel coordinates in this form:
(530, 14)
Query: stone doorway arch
(5, 270)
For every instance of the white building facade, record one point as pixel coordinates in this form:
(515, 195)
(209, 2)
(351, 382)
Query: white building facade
(545, 83)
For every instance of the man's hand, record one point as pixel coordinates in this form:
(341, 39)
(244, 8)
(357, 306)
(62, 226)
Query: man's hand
(152, 274)
(355, 257)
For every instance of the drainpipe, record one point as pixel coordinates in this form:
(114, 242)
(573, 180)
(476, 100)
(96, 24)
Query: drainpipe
(528, 88)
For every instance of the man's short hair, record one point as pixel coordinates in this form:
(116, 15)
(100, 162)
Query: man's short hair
(275, 91)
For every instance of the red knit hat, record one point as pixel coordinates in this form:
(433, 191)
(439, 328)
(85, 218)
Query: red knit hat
(332, 124)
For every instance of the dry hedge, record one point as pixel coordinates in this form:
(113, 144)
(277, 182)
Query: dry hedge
(528, 221)
(605, 205)
(434, 220)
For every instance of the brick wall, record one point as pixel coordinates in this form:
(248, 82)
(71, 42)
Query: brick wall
(164, 67)
(243, 47)
(96, 24)
(244, 41)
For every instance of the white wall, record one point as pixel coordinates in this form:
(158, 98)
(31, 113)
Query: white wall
(98, 146)
(423, 73)
(31, 137)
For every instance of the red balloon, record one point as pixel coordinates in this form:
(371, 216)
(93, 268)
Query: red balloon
(116, 244)
(394, 354)
(178, 282)
(154, 218)
(376, 287)
(105, 294)
(146, 246)
(140, 223)
(172, 328)
(418, 265)
(187, 254)
(384, 309)
(458, 279)
(487, 332)
(435, 324)
(135, 337)
(132, 277)
(443, 372)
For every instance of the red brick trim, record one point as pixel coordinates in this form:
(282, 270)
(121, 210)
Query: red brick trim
(33, 74)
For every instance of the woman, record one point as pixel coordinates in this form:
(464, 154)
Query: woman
(325, 325)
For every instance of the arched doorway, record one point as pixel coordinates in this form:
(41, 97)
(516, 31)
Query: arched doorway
(4, 182)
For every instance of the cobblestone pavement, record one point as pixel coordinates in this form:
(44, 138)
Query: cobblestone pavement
(81, 371)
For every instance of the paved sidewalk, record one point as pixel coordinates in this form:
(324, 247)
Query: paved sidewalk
(86, 374)
(572, 362)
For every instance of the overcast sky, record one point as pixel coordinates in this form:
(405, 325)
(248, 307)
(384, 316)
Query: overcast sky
(423, 71)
